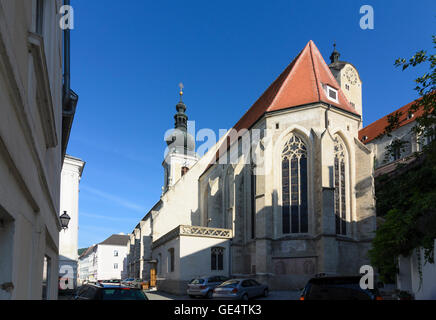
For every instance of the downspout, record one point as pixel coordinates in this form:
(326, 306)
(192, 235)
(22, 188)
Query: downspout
(67, 61)
(70, 98)
(326, 124)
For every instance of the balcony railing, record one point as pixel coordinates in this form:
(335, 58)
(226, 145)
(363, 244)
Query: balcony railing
(194, 231)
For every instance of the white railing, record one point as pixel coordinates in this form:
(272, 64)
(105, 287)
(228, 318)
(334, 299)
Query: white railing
(205, 232)
(194, 231)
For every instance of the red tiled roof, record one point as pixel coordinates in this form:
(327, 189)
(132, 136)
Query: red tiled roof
(378, 127)
(299, 84)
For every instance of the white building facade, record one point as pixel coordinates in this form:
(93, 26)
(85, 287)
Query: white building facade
(68, 239)
(105, 261)
(34, 134)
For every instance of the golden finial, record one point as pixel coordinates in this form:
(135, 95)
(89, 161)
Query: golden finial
(181, 90)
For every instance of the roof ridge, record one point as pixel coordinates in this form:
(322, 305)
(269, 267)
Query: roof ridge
(315, 70)
(294, 64)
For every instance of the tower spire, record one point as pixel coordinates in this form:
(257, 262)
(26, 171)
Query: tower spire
(335, 54)
(181, 118)
(181, 86)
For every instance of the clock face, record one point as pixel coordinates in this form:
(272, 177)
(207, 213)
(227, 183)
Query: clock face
(351, 75)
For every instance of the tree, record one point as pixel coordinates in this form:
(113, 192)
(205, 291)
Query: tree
(407, 198)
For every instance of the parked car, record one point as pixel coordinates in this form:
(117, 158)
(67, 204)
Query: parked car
(109, 292)
(113, 282)
(203, 286)
(338, 288)
(127, 282)
(240, 289)
(137, 283)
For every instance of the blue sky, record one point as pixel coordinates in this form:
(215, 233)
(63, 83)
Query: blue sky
(128, 58)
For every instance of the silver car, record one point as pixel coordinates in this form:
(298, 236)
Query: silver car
(240, 289)
(203, 286)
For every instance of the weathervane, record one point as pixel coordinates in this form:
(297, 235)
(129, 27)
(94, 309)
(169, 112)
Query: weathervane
(181, 90)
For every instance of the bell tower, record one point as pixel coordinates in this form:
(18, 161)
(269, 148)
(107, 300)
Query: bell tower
(349, 80)
(180, 154)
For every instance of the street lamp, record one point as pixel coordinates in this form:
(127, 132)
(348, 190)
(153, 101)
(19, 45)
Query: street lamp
(65, 219)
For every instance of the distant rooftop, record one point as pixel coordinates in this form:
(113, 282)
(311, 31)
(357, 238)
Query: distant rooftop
(116, 240)
(377, 128)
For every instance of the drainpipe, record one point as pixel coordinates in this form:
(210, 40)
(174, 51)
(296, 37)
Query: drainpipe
(326, 116)
(67, 75)
(69, 98)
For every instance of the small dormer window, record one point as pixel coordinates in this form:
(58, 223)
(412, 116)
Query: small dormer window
(364, 138)
(410, 116)
(332, 94)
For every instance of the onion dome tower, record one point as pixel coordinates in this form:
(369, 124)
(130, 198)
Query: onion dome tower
(180, 156)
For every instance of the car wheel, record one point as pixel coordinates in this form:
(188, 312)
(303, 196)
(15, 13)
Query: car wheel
(245, 297)
(209, 294)
(265, 293)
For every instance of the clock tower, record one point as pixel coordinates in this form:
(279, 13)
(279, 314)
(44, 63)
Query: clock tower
(349, 80)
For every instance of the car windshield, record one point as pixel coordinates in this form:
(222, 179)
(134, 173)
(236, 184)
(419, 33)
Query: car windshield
(229, 284)
(123, 294)
(197, 281)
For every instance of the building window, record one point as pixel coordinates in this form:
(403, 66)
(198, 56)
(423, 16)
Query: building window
(395, 147)
(430, 135)
(294, 187)
(184, 170)
(39, 22)
(332, 94)
(115, 265)
(115, 253)
(217, 258)
(340, 187)
(347, 87)
(159, 263)
(171, 260)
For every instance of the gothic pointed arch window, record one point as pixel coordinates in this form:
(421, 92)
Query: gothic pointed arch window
(294, 186)
(340, 185)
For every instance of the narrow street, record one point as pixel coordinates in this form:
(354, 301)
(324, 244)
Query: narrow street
(273, 295)
(158, 295)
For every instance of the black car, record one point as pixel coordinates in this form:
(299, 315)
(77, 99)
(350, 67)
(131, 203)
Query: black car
(109, 292)
(338, 288)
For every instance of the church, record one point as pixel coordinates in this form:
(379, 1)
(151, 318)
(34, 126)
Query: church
(286, 194)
